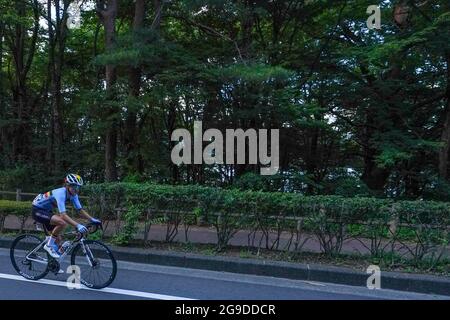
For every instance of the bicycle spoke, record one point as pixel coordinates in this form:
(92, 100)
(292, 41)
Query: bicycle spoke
(103, 270)
(23, 249)
(106, 273)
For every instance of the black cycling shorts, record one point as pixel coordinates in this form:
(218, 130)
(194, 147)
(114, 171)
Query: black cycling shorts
(42, 216)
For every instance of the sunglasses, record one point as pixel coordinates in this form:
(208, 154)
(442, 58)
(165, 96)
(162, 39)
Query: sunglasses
(76, 187)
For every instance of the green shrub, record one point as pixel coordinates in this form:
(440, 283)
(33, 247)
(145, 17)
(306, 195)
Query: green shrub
(328, 217)
(331, 219)
(17, 208)
(21, 209)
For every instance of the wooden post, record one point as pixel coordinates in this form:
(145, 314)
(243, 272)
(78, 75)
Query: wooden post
(393, 224)
(18, 195)
(2, 223)
(219, 219)
(147, 224)
(298, 233)
(118, 216)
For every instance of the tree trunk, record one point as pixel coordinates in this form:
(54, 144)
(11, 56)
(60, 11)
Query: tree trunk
(312, 157)
(22, 65)
(171, 124)
(445, 137)
(374, 176)
(1, 66)
(19, 92)
(135, 87)
(108, 13)
(135, 160)
(247, 22)
(158, 4)
(2, 94)
(56, 57)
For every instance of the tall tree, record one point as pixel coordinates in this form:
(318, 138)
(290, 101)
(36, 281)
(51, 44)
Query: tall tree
(57, 33)
(445, 136)
(107, 11)
(22, 44)
(135, 74)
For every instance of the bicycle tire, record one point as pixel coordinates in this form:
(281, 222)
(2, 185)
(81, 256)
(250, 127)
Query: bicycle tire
(15, 247)
(77, 252)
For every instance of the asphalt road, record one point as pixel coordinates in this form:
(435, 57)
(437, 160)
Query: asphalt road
(143, 281)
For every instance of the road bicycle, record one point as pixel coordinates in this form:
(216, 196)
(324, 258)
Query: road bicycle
(95, 261)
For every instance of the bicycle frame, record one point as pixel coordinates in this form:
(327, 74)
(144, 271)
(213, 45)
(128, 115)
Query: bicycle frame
(43, 260)
(86, 250)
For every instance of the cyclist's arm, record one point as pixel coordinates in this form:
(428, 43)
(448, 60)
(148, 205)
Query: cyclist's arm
(68, 219)
(77, 205)
(60, 197)
(85, 214)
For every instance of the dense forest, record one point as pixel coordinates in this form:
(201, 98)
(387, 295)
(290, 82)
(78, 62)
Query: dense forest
(361, 111)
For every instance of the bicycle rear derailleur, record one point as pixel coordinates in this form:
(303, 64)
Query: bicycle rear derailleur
(53, 266)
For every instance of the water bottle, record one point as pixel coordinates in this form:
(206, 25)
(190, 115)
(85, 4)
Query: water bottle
(65, 246)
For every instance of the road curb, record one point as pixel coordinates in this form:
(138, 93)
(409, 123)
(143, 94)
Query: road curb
(309, 272)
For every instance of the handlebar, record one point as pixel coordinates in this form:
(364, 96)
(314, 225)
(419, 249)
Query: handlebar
(92, 227)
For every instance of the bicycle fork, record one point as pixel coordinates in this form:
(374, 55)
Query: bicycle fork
(87, 251)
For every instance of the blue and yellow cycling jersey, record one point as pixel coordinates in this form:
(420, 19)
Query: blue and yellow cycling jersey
(56, 198)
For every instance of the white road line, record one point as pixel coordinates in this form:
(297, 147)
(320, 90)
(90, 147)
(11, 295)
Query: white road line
(107, 290)
(314, 283)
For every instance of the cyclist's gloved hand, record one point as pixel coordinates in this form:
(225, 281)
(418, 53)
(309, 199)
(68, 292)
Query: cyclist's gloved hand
(81, 228)
(96, 221)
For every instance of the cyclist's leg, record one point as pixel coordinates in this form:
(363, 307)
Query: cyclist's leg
(57, 225)
(54, 225)
(42, 216)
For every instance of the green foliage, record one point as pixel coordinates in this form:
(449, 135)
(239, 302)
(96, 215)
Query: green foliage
(342, 96)
(257, 182)
(256, 73)
(17, 208)
(343, 183)
(438, 190)
(420, 228)
(332, 219)
(10, 179)
(133, 178)
(20, 209)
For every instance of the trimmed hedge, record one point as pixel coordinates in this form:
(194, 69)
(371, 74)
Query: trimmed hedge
(332, 219)
(419, 229)
(17, 208)
(21, 209)
(108, 196)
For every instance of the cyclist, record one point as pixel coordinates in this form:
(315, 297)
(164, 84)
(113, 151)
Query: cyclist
(56, 223)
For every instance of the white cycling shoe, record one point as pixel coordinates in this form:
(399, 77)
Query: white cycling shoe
(52, 251)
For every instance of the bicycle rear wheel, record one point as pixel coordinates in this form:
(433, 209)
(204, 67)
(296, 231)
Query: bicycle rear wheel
(98, 267)
(27, 258)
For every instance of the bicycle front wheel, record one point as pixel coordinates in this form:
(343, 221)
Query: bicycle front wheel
(98, 267)
(28, 257)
